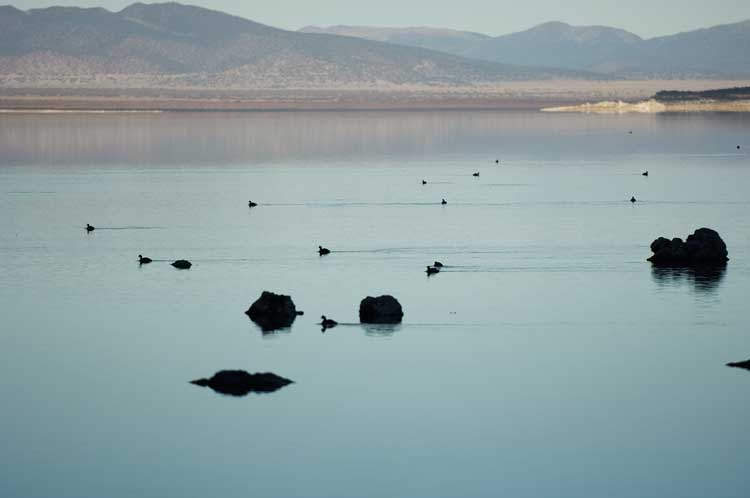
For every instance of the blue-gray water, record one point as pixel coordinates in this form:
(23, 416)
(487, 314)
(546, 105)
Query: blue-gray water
(547, 360)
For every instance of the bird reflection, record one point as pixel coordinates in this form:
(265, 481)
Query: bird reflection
(703, 279)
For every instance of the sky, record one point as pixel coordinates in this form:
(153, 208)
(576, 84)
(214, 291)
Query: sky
(492, 17)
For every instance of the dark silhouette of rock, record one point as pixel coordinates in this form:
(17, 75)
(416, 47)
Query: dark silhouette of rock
(144, 261)
(382, 309)
(89, 228)
(272, 311)
(182, 264)
(703, 247)
(240, 383)
(740, 364)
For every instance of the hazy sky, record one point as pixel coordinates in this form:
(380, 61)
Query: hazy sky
(493, 17)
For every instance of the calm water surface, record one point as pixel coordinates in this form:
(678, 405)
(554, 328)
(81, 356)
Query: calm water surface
(548, 359)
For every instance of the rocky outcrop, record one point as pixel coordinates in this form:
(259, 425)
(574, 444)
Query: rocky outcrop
(240, 383)
(703, 247)
(272, 311)
(381, 309)
(740, 364)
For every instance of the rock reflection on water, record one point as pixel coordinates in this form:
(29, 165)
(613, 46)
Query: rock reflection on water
(380, 329)
(703, 279)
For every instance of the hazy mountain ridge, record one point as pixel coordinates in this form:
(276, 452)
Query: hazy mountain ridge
(172, 44)
(440, 39)
(718, 51)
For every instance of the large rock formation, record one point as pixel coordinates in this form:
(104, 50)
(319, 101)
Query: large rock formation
(382, 309)
(272, 311)
(240, 383)
(740, 364)
(703, 247)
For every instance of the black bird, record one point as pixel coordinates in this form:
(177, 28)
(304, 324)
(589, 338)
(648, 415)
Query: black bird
(444, 202)
(323, 251)
(182, 264)
(738, 147)
(632, 199)
(327, 323)
(437, 264)
(630, 132)
(645, 173)
(476, 174)
(251, 204)
(89, 228)
(432, 270)
(424, 182)
(144, 261)
(497, 161)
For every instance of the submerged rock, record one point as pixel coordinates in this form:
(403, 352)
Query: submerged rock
(381, 309)
(703, 247)
(272, 311)
(740, 364)
(240, 383)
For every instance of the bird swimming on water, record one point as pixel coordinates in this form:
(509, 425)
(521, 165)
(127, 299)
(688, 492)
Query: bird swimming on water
(89, 228)
(437, 264)
(497, 161)
(444, 202)
(424, 182)
(323, 251)
(645, 173)
(182, 264)
(327, 323)
(632, 199)
(431, 270)
(476, 174)
(251, 204)
(144, 261)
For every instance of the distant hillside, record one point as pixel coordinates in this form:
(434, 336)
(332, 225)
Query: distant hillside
(173, 45)
(717, 52)
(596, 48)
(443, 40)
(719, 95)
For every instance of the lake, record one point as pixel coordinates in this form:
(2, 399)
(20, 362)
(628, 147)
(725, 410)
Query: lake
(547, 359)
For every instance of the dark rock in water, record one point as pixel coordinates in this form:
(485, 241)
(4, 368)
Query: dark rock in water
(740, 364)
(382, 309)
(240, 383)
(182, 264)
(272, 311)
(703, 247)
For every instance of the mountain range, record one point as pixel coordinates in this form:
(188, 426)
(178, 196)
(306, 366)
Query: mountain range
(170, 45)
(716, 52)
(177, 45)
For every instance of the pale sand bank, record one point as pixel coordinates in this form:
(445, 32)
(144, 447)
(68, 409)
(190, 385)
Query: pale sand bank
(654, 107)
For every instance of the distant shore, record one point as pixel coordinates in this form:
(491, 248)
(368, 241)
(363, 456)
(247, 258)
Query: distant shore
(570, 96)
(654, 107)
